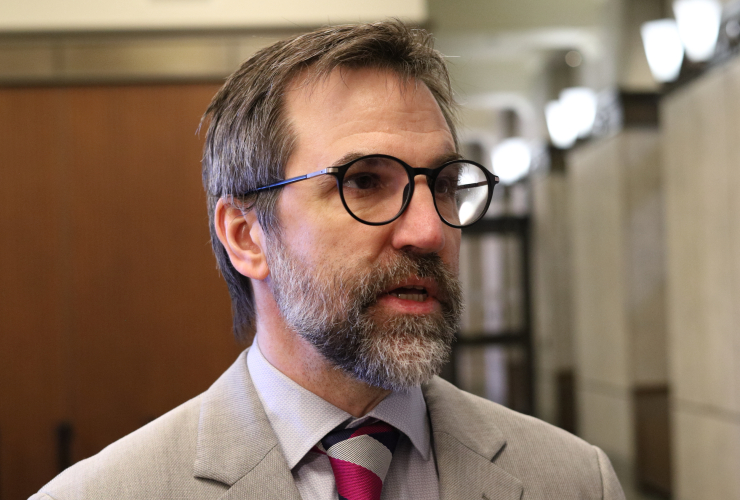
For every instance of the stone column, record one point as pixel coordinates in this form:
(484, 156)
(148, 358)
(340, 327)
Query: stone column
(618, 286)
(551, 287)
(701, 144)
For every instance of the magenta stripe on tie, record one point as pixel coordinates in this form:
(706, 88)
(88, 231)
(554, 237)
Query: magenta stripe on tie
(372, 429)
(355, 482)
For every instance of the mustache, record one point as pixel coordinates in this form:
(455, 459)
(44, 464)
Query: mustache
(407, 264)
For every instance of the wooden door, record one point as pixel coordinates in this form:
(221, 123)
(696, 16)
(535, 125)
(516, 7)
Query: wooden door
(112, 310)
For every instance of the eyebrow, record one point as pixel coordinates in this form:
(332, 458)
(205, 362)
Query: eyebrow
(354, 155)
(349, 157)
(454, 155)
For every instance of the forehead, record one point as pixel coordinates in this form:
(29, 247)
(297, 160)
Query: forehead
(365, 111)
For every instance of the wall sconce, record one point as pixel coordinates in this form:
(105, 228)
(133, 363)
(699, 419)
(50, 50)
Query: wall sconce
(663, 48)
(698, 25)
(572, 116)
(511, 159)
(561, 125)
(581, 103)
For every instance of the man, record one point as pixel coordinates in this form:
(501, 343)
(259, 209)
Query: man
(336, 197)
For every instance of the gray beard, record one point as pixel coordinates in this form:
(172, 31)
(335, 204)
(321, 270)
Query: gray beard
(335, 311)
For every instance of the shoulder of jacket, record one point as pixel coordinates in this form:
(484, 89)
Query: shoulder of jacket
(549, 462)
(137, 465)
(525, 435)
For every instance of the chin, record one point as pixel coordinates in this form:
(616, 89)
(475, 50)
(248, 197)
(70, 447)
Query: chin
(404, 351)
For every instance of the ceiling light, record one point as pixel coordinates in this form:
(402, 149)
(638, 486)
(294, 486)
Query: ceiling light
(663, 48)
(511, 159)
(573, 58)
(698, 24)
(561, 124)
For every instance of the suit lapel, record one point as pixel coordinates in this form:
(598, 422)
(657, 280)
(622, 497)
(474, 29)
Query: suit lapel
(236, 444)
(269, 479)
(465, 444)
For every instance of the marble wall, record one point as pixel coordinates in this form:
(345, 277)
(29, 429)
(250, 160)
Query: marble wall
(701, 144)
(551, 289)
(617, 281)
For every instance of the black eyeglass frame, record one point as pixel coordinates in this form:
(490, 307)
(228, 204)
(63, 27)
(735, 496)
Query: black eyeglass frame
(431, 174)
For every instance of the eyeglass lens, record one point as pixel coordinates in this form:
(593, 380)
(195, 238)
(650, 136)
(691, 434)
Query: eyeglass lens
(375, 190)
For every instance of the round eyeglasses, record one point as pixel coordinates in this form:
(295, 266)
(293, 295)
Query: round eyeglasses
(376, 189)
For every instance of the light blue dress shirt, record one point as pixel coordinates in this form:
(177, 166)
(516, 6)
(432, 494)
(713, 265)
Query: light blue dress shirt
(301, 419)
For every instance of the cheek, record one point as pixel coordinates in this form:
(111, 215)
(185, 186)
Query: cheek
(352, 245)
(335, 241)
(360, 243)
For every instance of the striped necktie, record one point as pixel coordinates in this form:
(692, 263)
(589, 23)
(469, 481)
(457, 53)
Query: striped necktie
(360, 459)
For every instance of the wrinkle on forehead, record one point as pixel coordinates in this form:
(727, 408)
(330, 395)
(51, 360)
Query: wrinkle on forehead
(365, 109)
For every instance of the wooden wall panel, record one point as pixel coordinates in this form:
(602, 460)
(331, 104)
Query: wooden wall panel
(141, 241)
(118, 312)
(32, 303)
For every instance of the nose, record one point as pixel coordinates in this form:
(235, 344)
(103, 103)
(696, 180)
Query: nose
(420, 229)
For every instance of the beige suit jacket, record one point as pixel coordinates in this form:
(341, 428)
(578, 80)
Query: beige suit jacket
(220, 445)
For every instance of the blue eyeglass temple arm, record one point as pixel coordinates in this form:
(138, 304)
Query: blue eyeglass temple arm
(329, 170)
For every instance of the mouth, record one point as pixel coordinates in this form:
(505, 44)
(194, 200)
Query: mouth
(416, 293)
(414, 289)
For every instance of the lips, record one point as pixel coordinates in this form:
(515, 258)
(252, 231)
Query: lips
(416, 293)
(415, 289)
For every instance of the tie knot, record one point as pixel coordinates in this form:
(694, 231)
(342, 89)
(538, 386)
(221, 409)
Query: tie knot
(379, 431)
(360, 459)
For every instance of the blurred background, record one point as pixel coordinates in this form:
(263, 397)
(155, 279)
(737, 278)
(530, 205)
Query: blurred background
(602, 288)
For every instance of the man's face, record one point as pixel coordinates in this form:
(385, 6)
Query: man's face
(381, 302)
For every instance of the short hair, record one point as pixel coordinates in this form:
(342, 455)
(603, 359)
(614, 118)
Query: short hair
(249, 140)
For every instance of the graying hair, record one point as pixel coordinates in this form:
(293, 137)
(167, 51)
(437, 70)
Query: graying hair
(249, 139)
(330, 305)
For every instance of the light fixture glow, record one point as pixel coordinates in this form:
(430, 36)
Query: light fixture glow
(467, 212)
(580, 102)
(663, 48)
(573, 58)
(561, 124)
(698, 24)
(511, 159)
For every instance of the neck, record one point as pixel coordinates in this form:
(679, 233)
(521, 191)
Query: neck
(301, 362)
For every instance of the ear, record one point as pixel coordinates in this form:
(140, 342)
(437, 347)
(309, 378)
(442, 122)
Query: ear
(241, 235)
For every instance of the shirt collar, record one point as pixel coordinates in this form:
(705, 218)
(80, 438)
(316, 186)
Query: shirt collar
(301, 419)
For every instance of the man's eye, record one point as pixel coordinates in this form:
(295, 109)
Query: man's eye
(445, 186)
(362, 181)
